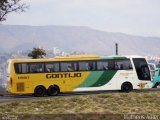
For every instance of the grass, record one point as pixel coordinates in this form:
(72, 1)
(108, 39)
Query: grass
(105, 103)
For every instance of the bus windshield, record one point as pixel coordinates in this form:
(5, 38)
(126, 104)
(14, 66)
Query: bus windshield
(142, 69)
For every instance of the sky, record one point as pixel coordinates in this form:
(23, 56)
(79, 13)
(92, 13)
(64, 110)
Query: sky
(136, 17)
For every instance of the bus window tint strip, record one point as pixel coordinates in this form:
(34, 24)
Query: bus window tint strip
(71, 66)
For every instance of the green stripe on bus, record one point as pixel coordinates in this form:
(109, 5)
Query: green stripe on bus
(105, 78)
(92, 78)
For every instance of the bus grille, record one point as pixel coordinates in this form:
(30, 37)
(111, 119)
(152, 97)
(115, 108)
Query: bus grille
(20, 87)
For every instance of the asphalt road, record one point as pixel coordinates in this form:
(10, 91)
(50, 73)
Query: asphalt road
(5, 97)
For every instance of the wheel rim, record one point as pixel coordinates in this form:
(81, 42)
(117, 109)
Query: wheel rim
(54, 91)
(127, 88)
(40, 92)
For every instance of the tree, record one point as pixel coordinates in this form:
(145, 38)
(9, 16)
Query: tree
(8, 6)
(37, 53)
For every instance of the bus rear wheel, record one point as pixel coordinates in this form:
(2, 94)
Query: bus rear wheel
(126, 87)
(39, 91)
(53, 90)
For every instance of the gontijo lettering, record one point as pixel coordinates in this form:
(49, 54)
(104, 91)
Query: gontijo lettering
(63, 75)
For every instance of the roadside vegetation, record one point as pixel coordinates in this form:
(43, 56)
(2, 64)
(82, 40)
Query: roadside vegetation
(115, 103)
(105, 103)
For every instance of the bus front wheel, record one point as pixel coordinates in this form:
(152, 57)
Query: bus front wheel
(126, 87)
(53, 90)
(39, 91)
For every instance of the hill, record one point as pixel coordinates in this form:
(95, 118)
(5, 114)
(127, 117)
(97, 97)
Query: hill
(74, 38)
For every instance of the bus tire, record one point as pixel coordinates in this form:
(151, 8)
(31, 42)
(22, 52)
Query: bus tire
(40, 91)
(53, 90)
(126, 87)
(156, 85)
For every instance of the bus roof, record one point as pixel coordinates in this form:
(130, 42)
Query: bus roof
(77, 57)
(74, 57)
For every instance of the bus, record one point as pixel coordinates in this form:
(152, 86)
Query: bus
(51, 76)
(156, 79)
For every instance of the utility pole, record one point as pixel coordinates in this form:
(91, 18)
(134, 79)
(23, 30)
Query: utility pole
(116, 45)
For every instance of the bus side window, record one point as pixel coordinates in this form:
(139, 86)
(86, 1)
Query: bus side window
(111, 65)
(121, 67)
(18, 68)
(102, 65)
(52, 67)
(25, 68)
(36, 67)
(72, 66)
(21, 68)
(124, 64)
(91, 65)
(82, 66)
(87, 65)
(68, 66)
